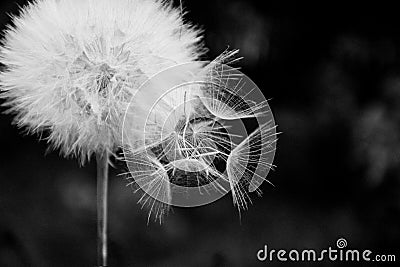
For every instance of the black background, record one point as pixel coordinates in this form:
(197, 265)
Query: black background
(332, 71)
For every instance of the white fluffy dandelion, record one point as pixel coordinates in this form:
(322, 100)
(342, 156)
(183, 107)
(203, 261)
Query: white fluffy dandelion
(72, 66)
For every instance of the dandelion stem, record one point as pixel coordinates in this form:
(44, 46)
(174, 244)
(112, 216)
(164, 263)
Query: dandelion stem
(102, 189)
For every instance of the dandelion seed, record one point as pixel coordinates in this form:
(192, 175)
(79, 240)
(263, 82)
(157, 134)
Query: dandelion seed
(152, 177)
(249, 163)
(226, 95)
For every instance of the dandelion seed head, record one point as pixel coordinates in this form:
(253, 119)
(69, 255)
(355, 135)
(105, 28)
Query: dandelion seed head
(73, 66)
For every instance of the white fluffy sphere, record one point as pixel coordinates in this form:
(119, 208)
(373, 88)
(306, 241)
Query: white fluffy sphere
(72, 66)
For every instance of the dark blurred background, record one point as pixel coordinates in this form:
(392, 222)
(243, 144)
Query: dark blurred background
(332, 72)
